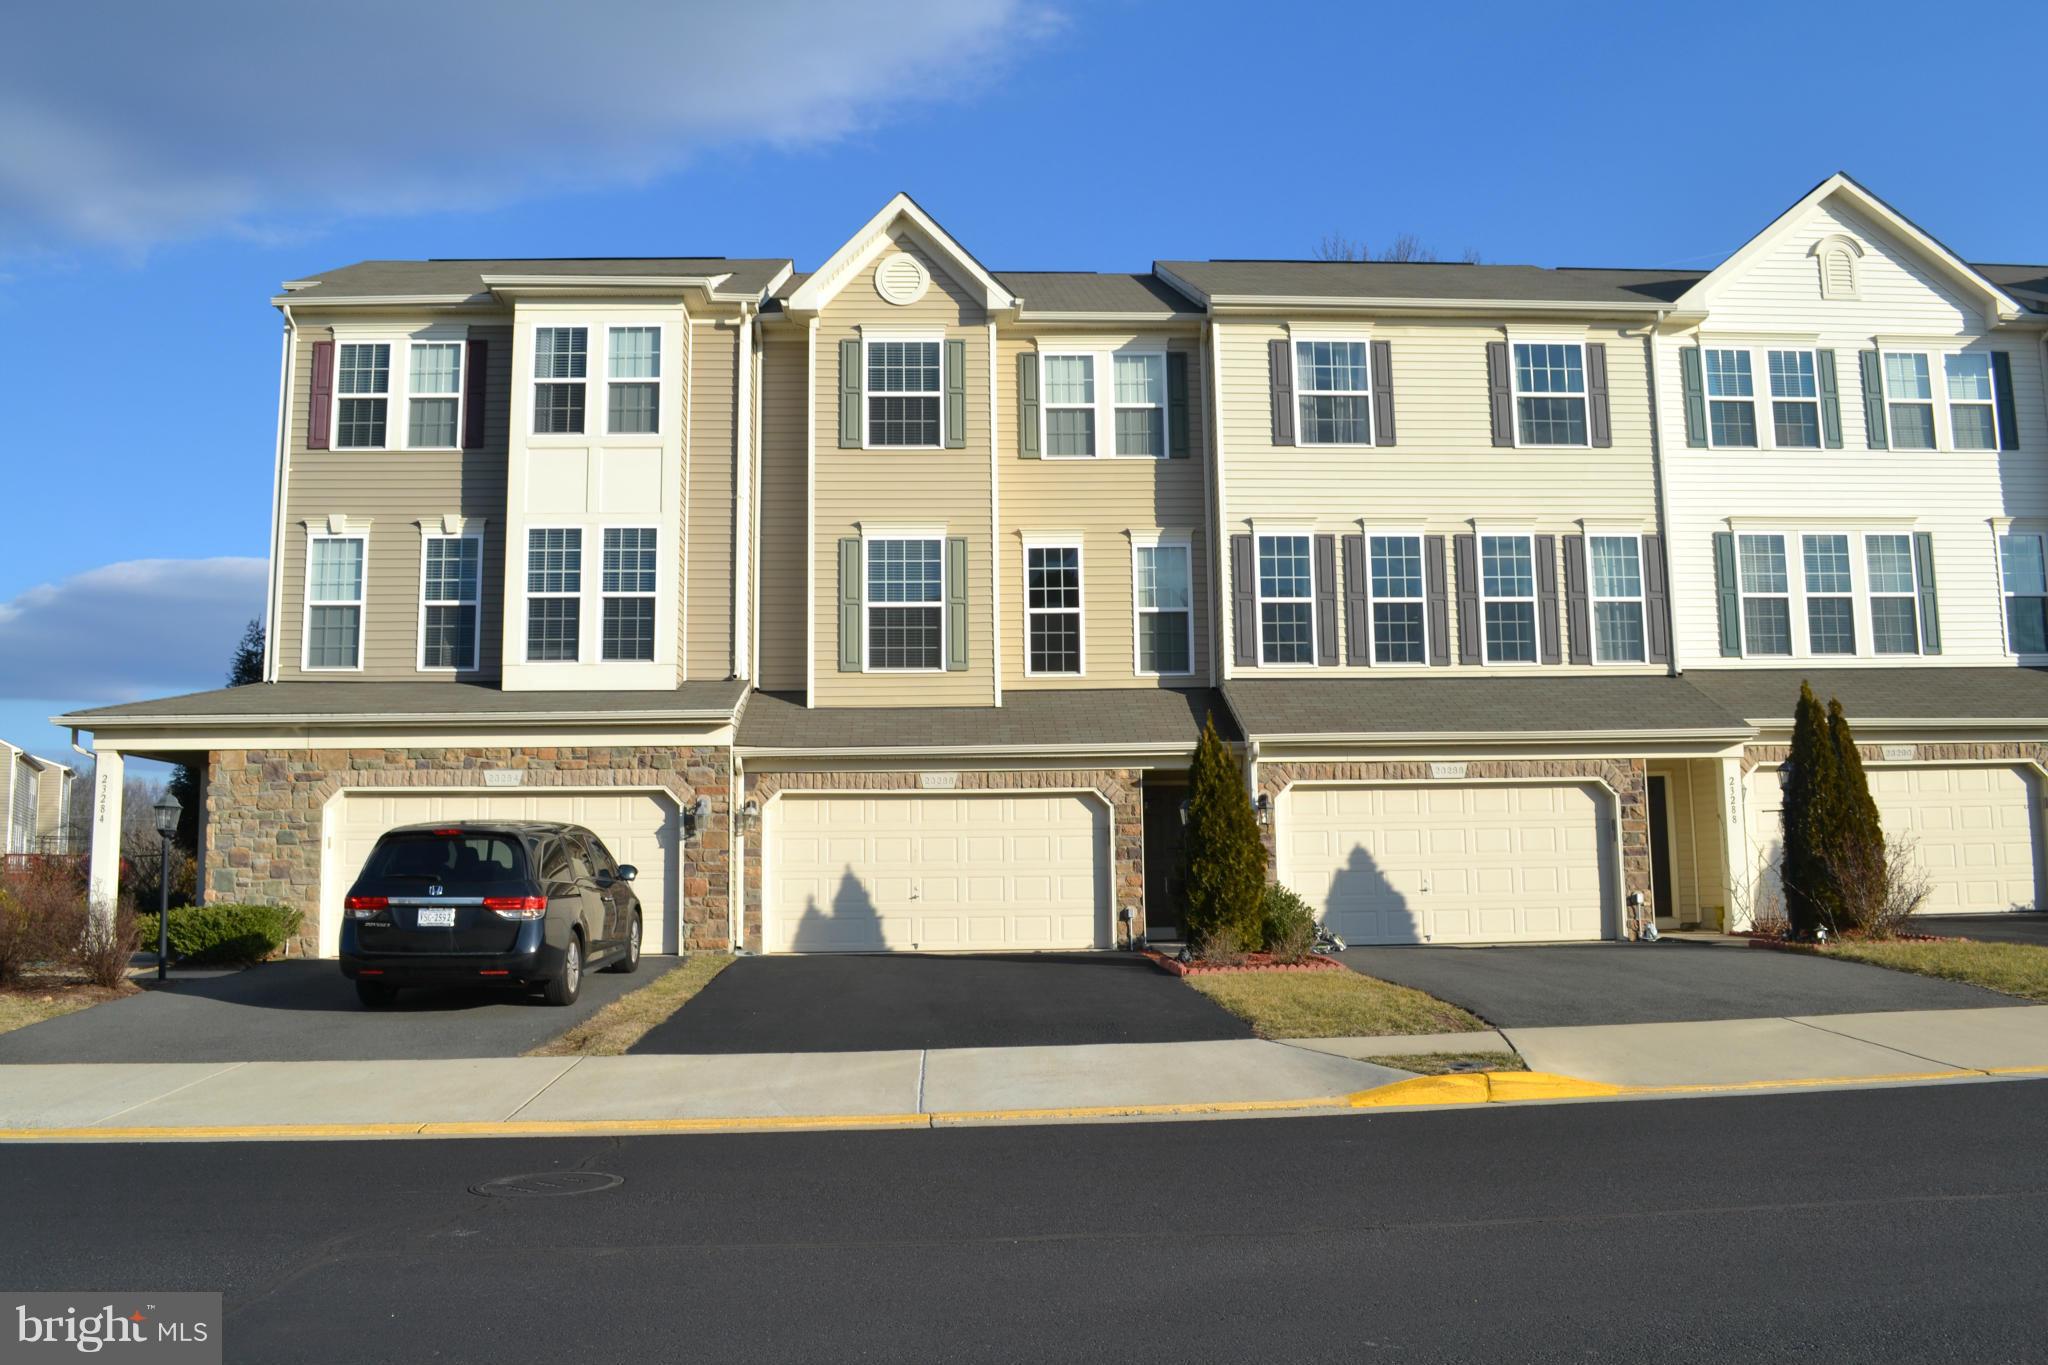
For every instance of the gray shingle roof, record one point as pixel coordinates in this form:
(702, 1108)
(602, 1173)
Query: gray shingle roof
(1383, 280)
(273, 702)
(1544, 704)
(370, 279)
(1137, 718)
(1068, 291)
(2026, 283)
(1954, 694)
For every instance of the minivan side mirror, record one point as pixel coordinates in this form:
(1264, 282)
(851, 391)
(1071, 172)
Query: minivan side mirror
(627, 872)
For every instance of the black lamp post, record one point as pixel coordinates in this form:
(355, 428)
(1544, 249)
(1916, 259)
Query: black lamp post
(167, 812)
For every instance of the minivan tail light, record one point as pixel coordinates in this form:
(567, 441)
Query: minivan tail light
(366, 907)
(517, 907)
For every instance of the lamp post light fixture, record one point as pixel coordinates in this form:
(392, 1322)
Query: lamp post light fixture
(167, 812)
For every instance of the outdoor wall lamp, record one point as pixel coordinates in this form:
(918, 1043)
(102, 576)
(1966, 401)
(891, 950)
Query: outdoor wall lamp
(698, 812)
(750, 813)
(1263, 808)
(1185, 807)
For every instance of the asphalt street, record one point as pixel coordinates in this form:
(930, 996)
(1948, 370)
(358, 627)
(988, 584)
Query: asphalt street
(1874, 1225)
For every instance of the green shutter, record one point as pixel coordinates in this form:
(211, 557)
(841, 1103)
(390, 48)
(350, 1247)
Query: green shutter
(1731, 601)
(849, 394)
(1874, 431)
(1695, 396)
(2008, 408)
(1177, 405)
(956, 604)
(1930, 613)
(1830, 400)
(956, 395)
(849, 605)
(1027, 405)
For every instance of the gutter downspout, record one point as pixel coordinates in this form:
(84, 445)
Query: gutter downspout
(743, 508)
(757, 370)
(1663, 494)
(1214, 507)
(995, 529)
(273, 605)
(811, 514)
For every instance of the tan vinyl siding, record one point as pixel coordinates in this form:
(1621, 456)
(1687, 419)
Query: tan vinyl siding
(942, 488)
(780, 618)
(1105, 501)
(394, 490)
(709, 544)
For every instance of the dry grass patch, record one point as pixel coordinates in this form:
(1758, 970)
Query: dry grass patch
(36, 1001)
(1440, 1063)
(2019, 969)
(1330, 1005)
(625, 1021)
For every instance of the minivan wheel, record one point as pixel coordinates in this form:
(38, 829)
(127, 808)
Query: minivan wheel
(564, 989)
(375, 995)
(631, 961)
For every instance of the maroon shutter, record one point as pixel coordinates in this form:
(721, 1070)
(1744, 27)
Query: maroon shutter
(320, 399)
(475, 361)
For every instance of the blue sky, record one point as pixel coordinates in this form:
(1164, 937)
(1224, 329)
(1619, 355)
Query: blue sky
(163, 168)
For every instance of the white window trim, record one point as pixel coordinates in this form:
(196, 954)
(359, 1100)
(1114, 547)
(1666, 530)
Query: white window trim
(534, 379)
(361, 602)
(1041, 542)
(397, 402)
(1594, 599)
(411, 396)
(1858, 583)
(1870, 595)
(1515, 394)
(659, 381)
(1937, 399)
(869, 339)
(2003, 528)
(1296, 339)
(1102, 367)
(867, 536)
(1480, 535)
(428, 535)
(1046, 406)
(581, 596)
(1373, 599)
(1260, 599)
(1184, 544)
(1793, 583)
(1949, 405)
(597, 588)
(1858, 531)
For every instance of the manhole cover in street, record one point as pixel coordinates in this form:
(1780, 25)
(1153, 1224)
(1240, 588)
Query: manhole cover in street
(547, 1184)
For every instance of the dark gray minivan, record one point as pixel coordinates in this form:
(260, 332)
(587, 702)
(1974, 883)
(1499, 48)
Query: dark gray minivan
(488, 903)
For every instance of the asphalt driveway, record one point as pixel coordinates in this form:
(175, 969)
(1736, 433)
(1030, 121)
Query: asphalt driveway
(306, 1011)
(886, 1002)
(2006, 928)
(1655, 983)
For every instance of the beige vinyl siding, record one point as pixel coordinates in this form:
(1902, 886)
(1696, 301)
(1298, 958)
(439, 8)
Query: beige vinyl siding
(1105, 501)
(708, 572)
(394, 490)
(51, 791)
(780, 616)
(942, 488)
(1444, 471)
(1954, 495)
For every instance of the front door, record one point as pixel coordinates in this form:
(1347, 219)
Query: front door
(1163, 831)
(1660, 851)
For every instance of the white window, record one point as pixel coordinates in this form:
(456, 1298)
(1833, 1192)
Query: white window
(451, 575)
(1795, 400)
(1165, 609)
(554, 594)
(561, 367)
(1550, 393)
(1970, 402)
(1069, 405)
(627, 586)
(1830, 594)
(362, 388)
(1614, 578)
(1731, 397)
(905, 398)
(1507, 598)
(1052, 609)
(1140, 402)
(1334, 390)
(1909, 393)
(1400, 606)
(1766, 594)
(633, 381)
(434, 396)
(1894, 593)
(334, 601)
(2026, 593)
(1287, 611)
(906, 604)
(1083, 394)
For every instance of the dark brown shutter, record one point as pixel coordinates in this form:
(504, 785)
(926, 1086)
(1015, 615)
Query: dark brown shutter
(1282, 380)
(1177, 405)
(1326, 601)
(1244, 602)
(1382, 394)
(1027, 405)
(1544, 550)
(2008, 408)
(1656, 602)
(1597, 424)
(1357, 632)
(476, 360)
(320, 396)
(1465, 550)
(1500, 393)
(1830, 399)
(1578, 611)
(1439, 601)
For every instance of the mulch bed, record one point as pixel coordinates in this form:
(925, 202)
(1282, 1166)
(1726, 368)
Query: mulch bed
(1251, 962)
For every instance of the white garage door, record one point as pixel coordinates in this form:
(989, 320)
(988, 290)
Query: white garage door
(641, 828)
(1973, 831)
(1449, 864)
(993, 872)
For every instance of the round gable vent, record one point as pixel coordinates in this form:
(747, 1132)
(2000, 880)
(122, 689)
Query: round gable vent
(902, 279)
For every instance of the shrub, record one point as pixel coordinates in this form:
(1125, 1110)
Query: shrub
(102, 953)
(223, 933)
(1289, 925)
(36, 901)
(1879, 891)
(1225, 861)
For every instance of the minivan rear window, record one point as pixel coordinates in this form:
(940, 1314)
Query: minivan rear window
(456, 859)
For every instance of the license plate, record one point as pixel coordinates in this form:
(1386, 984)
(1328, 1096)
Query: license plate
(437, 918)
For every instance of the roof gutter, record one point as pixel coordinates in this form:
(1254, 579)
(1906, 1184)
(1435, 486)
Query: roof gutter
(1728, 733)
(458, 719)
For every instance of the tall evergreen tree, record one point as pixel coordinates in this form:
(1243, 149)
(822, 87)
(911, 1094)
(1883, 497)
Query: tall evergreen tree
(1859, 849)
(247, 666)
(1225, 861)
(1811, 817)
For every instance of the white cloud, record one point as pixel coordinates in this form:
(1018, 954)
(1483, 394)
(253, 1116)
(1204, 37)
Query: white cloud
(147, 627)
(131, 124)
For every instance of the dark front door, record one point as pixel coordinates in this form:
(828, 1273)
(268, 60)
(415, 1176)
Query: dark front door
(1660, 850)
(1162, 859)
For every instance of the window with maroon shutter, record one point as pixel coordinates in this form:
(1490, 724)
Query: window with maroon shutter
(320, 396)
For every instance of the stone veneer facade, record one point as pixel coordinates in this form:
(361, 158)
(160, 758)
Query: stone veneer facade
(1122, 788)
(1755, 755)
(265, 810)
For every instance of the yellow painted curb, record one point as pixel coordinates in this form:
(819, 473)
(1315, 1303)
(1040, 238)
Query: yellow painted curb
(1509, 1086)
(1459, 1087)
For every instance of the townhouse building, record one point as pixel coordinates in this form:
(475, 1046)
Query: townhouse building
(880, 606)
(35, 803)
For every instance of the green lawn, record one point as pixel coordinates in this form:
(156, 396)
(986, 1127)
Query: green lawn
(1330, 1004)
(625, 1021)
(31, 1004)
(2019, 969)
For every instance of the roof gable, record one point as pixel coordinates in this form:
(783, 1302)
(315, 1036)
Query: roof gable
(862, 249)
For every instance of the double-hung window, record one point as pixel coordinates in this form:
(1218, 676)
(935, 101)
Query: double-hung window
(1333, 386)
(1970, 415)
(1909, 395)
(1507, 598)
(451, 574)
(1165, 607)
(1140, 402)
(1550, 393)
(434, 395)
(561, 368)
(1614, 577)
(1894, 595)
(362, 386)
(1766, 594)
(2026, 593)
(633, 381)
(1069, 405)
(1400, 612)
(1085, 394)
(554, 593)
(334, 601)
(906, 597)
(1287, 626)
(1052, 609)
(904, 394)
(1795, 400)
(1830, 594)
(627, 585)
(1731, 397)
